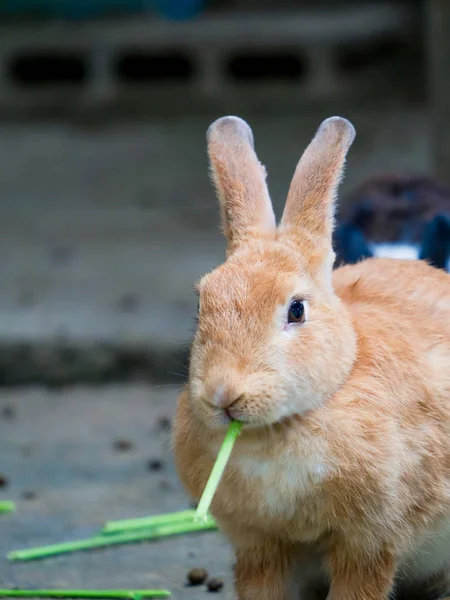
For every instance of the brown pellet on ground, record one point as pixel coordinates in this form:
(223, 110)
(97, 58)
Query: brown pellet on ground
(214, 584)
(155, 464)
(129, 303)
(164, 424)
(8, 413)
(4, 481)
(28, 495)
(123, 445)
(197, 576)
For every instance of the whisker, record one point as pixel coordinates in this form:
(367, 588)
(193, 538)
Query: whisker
(166, 386)
(175, 374)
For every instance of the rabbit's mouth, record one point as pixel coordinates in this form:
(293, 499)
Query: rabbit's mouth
(255, 400)
(221, 418)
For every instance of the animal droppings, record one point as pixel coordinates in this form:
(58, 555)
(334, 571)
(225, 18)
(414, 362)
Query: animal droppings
(28, 495)
(8, 413)
(164, 424)
(197, 576)
(123, 445)
(214, 584)
(155, 464)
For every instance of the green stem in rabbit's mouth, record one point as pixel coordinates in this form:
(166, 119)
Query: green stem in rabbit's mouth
(217, 472)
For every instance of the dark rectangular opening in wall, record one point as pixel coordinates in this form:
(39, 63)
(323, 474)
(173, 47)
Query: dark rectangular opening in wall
(354, 58)
(47, 68)
(144, 67)
(263, 67)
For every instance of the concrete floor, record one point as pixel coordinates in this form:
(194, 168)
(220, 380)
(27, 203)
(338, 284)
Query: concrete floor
(61, 447)
(103, 231)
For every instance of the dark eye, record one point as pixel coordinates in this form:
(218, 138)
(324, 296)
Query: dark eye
(296, 312)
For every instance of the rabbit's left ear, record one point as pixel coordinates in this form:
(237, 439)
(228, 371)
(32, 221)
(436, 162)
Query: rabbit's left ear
(240, 182)
(309, 212)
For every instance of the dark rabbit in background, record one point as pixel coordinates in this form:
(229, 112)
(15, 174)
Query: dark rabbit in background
(398, 217)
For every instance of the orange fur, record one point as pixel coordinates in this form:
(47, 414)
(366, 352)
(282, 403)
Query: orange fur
(240, 181)
(341, 476)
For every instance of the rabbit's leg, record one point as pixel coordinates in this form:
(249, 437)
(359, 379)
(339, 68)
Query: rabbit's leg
(361, 576)
(266, 572)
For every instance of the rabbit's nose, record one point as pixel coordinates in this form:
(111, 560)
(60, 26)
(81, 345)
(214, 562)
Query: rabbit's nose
(224, 396)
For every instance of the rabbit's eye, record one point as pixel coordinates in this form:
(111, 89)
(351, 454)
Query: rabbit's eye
(296, 312)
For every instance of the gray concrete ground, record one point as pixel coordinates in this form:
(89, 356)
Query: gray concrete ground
(103, 231)
(60, 446)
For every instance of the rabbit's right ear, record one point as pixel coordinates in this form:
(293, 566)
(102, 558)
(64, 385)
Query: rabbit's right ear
(240, 182)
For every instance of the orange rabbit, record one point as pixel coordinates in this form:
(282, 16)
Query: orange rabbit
(339, 484)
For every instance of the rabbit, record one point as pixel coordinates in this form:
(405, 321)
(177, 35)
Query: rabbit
(338, 486)
(351, 246)
(436, 242)
(395, 216)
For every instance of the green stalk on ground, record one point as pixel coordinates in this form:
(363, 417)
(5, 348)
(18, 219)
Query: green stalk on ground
(94, 594)
(217, 472)
(7, 506)
(99, 541)
(146, 522)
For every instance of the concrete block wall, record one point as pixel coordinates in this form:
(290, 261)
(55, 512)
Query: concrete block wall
(251, 57)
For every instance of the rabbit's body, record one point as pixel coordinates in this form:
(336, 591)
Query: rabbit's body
(375, 459)
(341, 476)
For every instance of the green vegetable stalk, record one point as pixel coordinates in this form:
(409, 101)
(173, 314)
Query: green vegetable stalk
(217, 472)
(99, 541)
(93, 594)
(6, 507)
(146, 522)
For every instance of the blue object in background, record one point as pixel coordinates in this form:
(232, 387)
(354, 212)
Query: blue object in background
(88, 9)
(178, 9)
(436, 242)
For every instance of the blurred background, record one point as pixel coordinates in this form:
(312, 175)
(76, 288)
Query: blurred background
(107, 215)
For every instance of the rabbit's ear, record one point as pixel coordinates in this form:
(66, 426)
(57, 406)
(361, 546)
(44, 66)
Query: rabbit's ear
(309, 212)
(240, 181)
